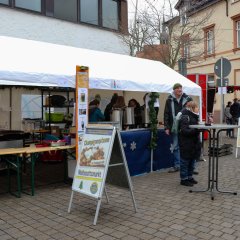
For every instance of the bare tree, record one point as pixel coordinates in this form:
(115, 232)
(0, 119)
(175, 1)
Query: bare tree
(179, 36)
(138, 30)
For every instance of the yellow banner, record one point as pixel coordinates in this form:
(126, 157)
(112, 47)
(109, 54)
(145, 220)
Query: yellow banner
(89, 178)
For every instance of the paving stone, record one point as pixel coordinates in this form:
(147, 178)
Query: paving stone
(228, 230)
(149, 230)
(216, 233)
(42, 237)
(228, 236)
(120, 228)
(189, 237)
(107, 238)
(177, 227)
(5, 237)
(177, 233)
(25, 238)
(203, 235)
(129, 237)
(95, 234)
(190, 231)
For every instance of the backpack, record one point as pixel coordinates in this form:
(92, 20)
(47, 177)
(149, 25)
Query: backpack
(176, 119)
(176, 127)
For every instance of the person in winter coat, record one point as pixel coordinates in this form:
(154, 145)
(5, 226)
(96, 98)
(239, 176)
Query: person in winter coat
(228, 118)
(174, 104)
(189, 143)
(235, 111)
(95, 114)
(109, 107)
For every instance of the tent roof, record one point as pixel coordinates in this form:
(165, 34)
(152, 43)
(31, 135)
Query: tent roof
(32, 63)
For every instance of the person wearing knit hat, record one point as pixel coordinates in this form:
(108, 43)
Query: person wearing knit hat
(174, 104)
(177, 85)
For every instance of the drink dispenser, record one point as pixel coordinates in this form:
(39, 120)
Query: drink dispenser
(116, 116)
(145, 116)
(129, 116)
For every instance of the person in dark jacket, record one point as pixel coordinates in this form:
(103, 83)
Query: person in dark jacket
(174, 104)
(95, 114)
(228, 119)
(109, 107)
(189, 143)
(235, 111)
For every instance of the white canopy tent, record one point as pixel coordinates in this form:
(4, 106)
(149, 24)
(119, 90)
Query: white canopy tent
(31, 63)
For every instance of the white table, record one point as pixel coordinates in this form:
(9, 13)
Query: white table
(214, 133)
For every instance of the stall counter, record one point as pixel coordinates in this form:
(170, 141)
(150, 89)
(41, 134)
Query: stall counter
(138, 154)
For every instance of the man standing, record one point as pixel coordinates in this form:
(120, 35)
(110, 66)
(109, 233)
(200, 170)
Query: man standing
(174, 104)
(235, 111)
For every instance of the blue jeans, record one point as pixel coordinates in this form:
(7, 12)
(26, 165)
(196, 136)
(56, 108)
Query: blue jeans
(186, 168)
(175, 151)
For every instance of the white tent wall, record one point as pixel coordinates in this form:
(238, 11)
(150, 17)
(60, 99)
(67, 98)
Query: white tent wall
(32, 63)
(4, 108)
(17, 105)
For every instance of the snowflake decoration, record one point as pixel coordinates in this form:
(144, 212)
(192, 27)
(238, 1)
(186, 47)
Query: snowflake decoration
(124, 145)
(133, 146)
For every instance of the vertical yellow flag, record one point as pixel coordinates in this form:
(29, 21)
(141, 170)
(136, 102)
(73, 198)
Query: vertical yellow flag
(81, 108)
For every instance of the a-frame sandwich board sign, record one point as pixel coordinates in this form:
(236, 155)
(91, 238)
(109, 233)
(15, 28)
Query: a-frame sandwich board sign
(101, 159)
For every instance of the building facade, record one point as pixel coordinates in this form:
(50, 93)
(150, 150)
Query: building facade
(91, 24)
(220, 37)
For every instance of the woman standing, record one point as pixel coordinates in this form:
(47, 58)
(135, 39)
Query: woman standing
(189, 143)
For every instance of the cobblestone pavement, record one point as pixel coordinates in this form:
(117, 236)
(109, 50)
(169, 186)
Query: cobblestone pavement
(166, 210)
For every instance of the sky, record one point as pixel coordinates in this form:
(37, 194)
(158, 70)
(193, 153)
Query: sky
(141, 5)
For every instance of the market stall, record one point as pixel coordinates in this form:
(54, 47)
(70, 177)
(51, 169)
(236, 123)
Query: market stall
(37, 64)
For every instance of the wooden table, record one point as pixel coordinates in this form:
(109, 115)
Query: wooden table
(18, 152)
(34, 150)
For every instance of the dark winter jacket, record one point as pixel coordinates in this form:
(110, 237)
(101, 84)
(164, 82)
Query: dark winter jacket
(95, 115)
(235, 110)
(108, 111)
(168, 118)
(189, 138)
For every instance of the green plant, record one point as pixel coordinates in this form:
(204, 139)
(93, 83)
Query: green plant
(153, 119)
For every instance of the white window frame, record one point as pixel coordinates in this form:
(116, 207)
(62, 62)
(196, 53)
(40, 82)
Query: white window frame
(238, 33)
(210, 41)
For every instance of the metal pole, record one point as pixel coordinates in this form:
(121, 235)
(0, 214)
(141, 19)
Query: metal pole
(222, 98)
(70, 202)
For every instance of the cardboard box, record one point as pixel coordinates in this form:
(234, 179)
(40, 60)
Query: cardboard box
(55, 130)
(72, 130)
